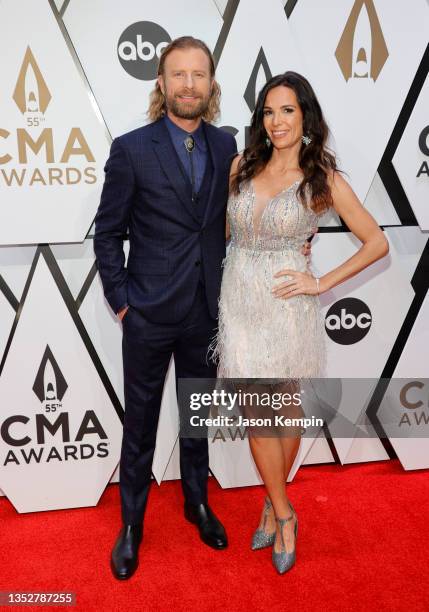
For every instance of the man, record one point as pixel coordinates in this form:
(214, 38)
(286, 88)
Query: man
(167, 183)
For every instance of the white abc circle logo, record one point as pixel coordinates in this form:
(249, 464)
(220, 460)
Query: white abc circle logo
(145, 50)
(139, 49)
(348, 321)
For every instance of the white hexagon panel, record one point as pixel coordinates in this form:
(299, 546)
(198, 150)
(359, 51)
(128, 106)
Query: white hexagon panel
(119, 44)
(361, 57)
(363, 317)
(53, 144)
(411, 159)
(7, 315)
(404, 415)
(259, 45)
(231, 461)
(61, 3)
(405, 405)
(105, 332)
(60, 426)
(364, 314)
(221, 5)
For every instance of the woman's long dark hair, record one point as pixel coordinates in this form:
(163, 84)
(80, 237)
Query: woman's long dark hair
(315, 160)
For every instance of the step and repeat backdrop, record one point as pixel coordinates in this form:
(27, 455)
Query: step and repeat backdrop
(74, 75)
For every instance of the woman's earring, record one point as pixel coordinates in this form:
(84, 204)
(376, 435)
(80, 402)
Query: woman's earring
(268, 142)
(306, 140)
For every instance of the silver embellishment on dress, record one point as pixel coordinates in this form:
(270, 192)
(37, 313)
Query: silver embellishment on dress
(260, 336)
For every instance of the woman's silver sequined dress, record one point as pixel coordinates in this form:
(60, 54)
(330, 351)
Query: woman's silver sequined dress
(261, 336)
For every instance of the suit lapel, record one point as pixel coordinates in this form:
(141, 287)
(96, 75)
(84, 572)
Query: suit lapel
(216, 154)
(170, 163)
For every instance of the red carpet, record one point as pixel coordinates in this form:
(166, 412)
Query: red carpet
(363, 544)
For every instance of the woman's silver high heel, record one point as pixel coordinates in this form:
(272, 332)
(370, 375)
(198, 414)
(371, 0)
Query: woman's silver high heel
(283, 560)
(262, 539)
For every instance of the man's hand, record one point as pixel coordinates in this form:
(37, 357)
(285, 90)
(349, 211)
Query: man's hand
(122, 313)
(306, 247)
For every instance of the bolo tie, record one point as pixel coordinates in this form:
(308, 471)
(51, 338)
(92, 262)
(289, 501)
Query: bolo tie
(189, 143)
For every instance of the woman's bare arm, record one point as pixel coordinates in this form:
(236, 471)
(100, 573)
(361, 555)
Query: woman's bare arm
(363, 225)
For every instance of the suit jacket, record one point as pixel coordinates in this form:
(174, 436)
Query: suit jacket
(146, 193)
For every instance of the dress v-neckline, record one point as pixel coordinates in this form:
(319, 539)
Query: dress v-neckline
(256, 234)
(285, 189)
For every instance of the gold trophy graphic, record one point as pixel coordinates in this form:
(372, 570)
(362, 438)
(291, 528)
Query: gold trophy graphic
(362, 51)
(31, 92)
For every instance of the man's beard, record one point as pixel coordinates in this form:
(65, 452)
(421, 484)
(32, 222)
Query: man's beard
(181, 109)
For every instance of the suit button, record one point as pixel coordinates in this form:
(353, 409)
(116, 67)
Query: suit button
(198, 262)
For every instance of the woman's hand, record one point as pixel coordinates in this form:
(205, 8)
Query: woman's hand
(300, 283)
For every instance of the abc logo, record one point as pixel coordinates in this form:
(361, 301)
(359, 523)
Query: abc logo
(423, 141)
(348, 321)
(140, 47)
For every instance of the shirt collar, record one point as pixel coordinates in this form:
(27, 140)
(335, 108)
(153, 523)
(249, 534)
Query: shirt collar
(179, 135)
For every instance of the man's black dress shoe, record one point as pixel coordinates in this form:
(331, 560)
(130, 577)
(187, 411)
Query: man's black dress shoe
(211, 529)
(124, 559)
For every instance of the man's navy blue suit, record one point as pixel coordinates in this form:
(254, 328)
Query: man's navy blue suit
(171, 284)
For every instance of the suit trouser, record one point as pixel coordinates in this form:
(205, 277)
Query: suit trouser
(147, 349)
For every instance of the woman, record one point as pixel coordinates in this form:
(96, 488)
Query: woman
(270, 324)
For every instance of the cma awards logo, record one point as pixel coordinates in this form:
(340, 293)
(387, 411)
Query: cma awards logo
(424, 148)
(259, 75)
(50, 384)
(362, 51)
(49, 435)
(32, 97)
(348, 321)
(139, 49)
(31, 92)
(414, 397)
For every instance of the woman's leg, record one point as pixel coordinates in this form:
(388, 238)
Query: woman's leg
(274, 451)
(290, 447)
(266, 451)
(269, 458)
(290, 437)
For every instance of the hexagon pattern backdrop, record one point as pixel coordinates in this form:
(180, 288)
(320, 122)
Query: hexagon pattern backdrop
(78, 74)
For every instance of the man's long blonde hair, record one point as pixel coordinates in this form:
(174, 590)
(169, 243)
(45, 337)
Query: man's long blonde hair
(157, 105)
